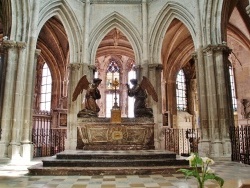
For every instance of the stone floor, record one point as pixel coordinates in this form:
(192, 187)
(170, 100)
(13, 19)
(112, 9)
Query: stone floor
(15, 174)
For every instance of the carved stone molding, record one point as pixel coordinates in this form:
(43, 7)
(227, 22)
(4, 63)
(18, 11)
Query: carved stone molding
(74, 66)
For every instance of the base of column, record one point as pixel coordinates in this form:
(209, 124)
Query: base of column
(70, 144)
(204, 148)
(27, 150)
(14, 151)
(3, 150)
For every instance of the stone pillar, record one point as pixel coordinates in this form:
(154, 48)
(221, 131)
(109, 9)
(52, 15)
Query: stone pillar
(155, 78)
(26, 143)
(8, 100)
(86, 32)
(248, 9)
(145, 38)
(204, 143)
(171, 105)
(75, 74)
(29, 78)
(219, 100)
(17, 119)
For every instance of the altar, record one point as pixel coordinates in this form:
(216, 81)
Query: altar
(130, 134)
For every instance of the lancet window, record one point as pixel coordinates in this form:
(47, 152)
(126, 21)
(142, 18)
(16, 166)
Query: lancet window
(234, 101)
(181, 92)
(46, 86)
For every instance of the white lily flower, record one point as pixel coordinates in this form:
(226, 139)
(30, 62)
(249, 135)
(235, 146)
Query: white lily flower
(191, 157)
(210, 170)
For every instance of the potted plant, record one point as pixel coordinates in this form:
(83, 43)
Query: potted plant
(200, 169)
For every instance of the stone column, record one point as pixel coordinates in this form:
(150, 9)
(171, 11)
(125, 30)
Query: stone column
(219, 100)
(75, 74)
(86, 32)
(204, 143)
(248, 9)
(26, 143)
(17, 120)
(170, 92)
(155, 78)
(29, 77)
(145, 38)
(8, 100)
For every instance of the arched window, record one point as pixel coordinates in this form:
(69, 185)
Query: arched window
(46, 85)
(181, 96)
(234, 101)
(113, 72)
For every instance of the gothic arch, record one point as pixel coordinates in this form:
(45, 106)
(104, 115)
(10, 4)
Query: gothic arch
(112, 21)
(65, 14)
(168, 13)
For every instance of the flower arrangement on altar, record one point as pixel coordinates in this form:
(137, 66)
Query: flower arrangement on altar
(200, 169)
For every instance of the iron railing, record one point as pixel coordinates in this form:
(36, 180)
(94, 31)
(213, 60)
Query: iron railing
(48, 142)
(182, 141)
(240, 144)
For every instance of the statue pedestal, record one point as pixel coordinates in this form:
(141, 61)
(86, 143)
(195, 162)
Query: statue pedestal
(130, 134)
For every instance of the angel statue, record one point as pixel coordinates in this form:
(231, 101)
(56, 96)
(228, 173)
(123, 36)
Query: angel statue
(139, 92)
(92, 94)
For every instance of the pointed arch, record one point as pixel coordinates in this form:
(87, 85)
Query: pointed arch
(62, 10)
(115, 20)
(168, 13)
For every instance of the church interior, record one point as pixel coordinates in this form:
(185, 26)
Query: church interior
(98, 93)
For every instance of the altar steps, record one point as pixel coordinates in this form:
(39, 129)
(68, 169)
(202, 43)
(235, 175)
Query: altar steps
(81, 162)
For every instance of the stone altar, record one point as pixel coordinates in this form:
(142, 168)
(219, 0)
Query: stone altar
(130, 134)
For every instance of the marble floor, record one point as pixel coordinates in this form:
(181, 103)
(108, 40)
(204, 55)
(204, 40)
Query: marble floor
(15, 174)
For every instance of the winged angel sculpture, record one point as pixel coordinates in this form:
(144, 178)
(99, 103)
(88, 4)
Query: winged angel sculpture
(92, 94)
(139, 92)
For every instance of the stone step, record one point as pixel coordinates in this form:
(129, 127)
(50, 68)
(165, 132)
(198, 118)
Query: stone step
(120, 154)
(111, 162)
(40, 170)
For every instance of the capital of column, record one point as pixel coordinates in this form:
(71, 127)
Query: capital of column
(195, 56)
(137, 67)
(8, 44)
(92, 67)
(155, 66)
(21, 45)
(215, 48)
(74, 66)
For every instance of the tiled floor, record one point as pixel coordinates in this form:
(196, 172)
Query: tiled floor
(16, 175)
